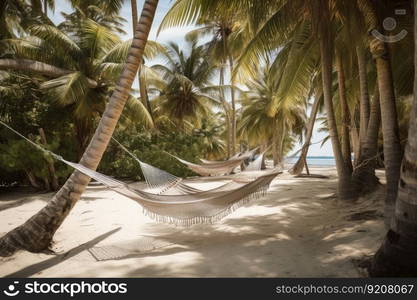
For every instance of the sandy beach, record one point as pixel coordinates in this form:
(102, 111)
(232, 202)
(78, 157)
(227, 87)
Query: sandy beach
(298, 230)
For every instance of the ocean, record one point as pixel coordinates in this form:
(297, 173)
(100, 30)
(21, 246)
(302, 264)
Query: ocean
(314, 161)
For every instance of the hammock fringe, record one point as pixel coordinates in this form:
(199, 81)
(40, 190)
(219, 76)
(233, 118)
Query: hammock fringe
(187, 222)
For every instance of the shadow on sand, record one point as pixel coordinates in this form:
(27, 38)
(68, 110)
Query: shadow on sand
(35, 268)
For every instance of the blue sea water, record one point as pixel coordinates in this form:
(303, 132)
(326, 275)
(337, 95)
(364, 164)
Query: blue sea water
(314, 161)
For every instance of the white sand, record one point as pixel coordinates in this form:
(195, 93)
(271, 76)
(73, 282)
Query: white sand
(298, 230)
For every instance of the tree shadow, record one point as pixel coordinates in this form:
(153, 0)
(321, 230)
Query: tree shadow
(36, 268)
(288, 240)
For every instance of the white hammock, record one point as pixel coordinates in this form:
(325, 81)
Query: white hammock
(189, 209)
(216, 168)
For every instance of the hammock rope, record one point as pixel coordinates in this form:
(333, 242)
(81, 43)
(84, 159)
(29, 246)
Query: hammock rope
(39, 147)
(185, 209)
(156, 178)
(216, 168)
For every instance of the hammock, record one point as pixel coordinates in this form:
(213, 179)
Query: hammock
(205, 161)
(256, 165)
(216, 168)
(198, 208)
(189, 209)
(157, 178)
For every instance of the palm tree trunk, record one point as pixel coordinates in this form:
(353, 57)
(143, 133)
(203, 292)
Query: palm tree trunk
(274, 146)
(51, 167)
(364, 172)
(144, 92)
(32, 179)
(282, 144)
(45, 7)
(232, 96)
(38, 68)
(354, 137)
(345, 188)
(263, 148)
(232, 118)
(346, 147)
(364, 110)
(226, 114)
(298, 167)
(36, 234)
(134, 8)
(397, 255)
(141, 76)
(389, 120)
(390, 132)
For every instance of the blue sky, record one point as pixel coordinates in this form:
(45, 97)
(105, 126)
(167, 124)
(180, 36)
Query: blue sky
(177, 35)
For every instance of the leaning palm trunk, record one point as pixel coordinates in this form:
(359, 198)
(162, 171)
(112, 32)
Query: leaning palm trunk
(345, 188)
(141, 75)
(364, 172)
(38, 67)
(397, 255)
(36, 234)
(298, 167)
(389, 120)
(346, 149)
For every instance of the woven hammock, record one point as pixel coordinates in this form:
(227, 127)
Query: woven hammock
(159, 180)
(184, 209)
(216, 168)
(205, 161)
(189, 209)
(256, 165)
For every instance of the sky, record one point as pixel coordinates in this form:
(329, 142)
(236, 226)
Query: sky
(177, 35)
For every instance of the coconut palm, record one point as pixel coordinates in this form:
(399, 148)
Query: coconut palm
(396, 256)
(37, 233)
(141, 75)
(210, 133)
(389, 120)
(228, 34)
(261, 126)
(17, 15)
(280, 20)
(105, 13)
(80, 70)
(186, 92)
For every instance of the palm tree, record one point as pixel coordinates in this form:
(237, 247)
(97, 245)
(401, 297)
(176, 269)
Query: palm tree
(364, 94)
(37, 233)
(105, 13)
(141, 75)
(345, 114)
(224, 37)
(80, 70)
(364, 172)
(389, 119)
(186, 94)
(259, 125)
(227, 37)
(280, 20)
(210, 133)
(17, 15)
(298, 167)
(321, 13)
(396, 256)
